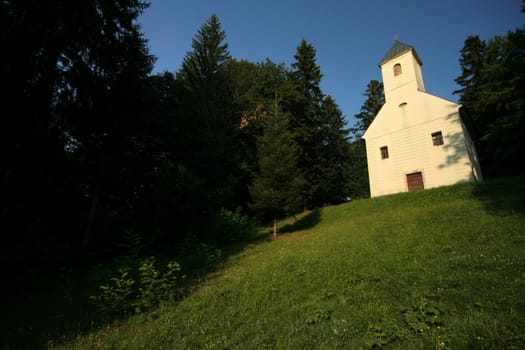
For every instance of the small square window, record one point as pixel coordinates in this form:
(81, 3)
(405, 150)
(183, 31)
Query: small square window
(437, 138)
(384, 152)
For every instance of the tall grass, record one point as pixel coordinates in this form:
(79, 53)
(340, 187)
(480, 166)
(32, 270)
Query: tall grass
(437, 269)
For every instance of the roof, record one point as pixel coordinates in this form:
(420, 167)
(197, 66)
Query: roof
(397, 49)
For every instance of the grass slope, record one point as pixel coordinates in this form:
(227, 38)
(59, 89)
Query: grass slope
(436, 269)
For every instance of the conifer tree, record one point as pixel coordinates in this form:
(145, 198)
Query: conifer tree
(208, 115)
(359, 182)
(305, 123)
(318, 128)
(210, 53)
(74, 138)
(375, 99)
(472, 61)
(306, 109)
(492, 92)
(278, 187)
(334, 157)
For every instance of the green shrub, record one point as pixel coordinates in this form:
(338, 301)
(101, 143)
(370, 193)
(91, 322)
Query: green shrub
(116, 296)
(125, 293)
(233, 226)
(197, 255)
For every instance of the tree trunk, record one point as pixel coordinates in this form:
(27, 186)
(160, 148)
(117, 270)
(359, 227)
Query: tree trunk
(91, 218)
(274, 229)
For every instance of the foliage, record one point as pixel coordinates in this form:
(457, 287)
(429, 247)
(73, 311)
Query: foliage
(436, 269)
(492, 90)
(88, 165)
(197, 255)
(72, 136)
(375, 99)
(318, 129)
(141, 290)
(278, 187)
(358, 182)
(116, 296)
(333, 163)
(154, 285)
(213, 152)
(233, 226)
(209, 54)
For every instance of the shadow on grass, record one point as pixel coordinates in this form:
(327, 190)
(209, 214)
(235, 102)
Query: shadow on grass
(39, 305)
(303, 223)
(503, 196)
(49, 305)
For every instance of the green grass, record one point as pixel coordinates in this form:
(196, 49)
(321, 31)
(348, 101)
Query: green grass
(436, 269)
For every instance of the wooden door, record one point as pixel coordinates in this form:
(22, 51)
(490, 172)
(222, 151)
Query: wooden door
(415, 181)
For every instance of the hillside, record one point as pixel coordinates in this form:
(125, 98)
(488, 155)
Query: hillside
(437, 269)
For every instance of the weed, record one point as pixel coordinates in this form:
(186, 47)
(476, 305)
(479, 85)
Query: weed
(423, 315)
(436, 269)
(124, 293)
(317, 316)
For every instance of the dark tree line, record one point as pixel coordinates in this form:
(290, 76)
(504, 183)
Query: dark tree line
(493, 92)
(74, 141)
(375, 99)
(100, 152)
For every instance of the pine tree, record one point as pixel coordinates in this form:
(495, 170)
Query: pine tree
(492, 82)
(210, 53)
(358, 180)
(375, 99)
(75, 138)
(209, 115)
(359, 183)
(278, 186)
(472, 61)
(306, 110)
(333, 162)
(305, 124)
(318, 128)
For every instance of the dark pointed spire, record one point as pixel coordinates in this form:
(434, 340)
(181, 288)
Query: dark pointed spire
(397, 49)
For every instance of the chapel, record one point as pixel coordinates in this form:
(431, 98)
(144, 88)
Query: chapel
(417, 140)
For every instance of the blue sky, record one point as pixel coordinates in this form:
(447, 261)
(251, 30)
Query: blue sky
(350, 36)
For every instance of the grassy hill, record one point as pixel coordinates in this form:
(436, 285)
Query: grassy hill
(437, 269)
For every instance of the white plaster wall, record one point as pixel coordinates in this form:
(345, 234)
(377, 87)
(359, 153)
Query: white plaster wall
(407, 134)
(405, 125)
(410, 79)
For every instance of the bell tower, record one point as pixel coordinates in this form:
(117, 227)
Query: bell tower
(401, 71)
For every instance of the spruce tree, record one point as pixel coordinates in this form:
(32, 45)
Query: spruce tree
(318, 128)
(209, 117)
(306, 109)
(333, 161)
(358, 179)
(492, 89)
(210, 53)
(307, 76)
(375, 99)
(73, 136)
(472, 61)
(278, 186)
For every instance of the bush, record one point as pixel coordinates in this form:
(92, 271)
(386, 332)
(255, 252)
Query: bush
(125, 293)
(198, 255)
(233, 226)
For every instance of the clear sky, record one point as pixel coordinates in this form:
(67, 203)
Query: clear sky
(350, 36)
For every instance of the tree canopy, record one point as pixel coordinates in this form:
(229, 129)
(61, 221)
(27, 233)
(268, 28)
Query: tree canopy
(492, 90)
(99, 149)
(375, 99)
